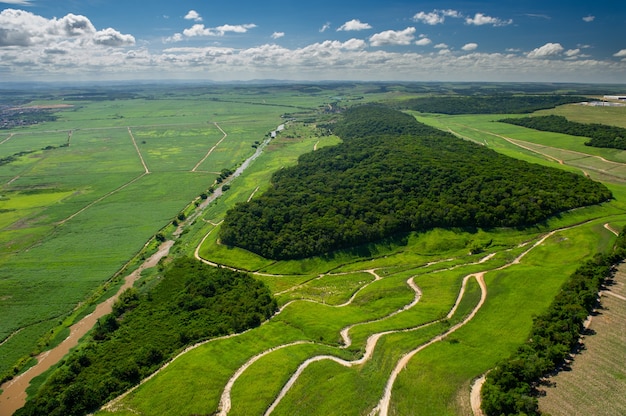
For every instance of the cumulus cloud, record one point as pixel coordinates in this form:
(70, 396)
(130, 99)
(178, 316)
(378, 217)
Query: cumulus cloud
(620, 54)
(111, 37)
(423, 41)
(354, 25)
(193, 15)
(199, 30)
(393, 37)
(470, 46)
(589, 18)
(21, 28)
(572, 52)
(546, 51)
(436, 16)
(441, 46)
(480, 19)
(278, 35)
(325, 27)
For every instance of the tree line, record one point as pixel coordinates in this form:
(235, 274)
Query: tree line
(600, 135)
(511, 388)
(192, 302)
(491, 104)
(391, 175)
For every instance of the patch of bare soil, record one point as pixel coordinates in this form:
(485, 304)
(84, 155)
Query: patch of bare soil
(595, 382)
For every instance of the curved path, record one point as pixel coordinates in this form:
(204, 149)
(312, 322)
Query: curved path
(383, 406)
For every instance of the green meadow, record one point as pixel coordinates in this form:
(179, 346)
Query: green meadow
(72, 217)
(324, 295)
(85, 193)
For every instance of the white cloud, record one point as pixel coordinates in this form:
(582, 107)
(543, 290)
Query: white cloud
(480, 19)
(431, 18)
(470, 47)
(193, 15)
(393, 37)
(21, 29)
(547, 50)
(572, 52)
(354, 25)
(278, 35)
(111, 37)
(70, 48)
(199, 29)
(325, 27)
(18, 2)
(589, 18)
(176, 37)
(436, 16)
(423, 41)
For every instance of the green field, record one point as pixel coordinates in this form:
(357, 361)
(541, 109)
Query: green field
(72, 217)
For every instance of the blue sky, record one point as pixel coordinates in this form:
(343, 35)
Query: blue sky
(523, 40)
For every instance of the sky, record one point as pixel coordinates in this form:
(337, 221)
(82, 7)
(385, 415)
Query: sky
(365, 40)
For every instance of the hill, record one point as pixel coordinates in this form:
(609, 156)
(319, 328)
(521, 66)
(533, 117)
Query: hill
(393, 174)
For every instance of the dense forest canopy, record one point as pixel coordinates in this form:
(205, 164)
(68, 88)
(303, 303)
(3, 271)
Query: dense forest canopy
(601, 135)
(393, 174)
(492, 104)
(192, 302)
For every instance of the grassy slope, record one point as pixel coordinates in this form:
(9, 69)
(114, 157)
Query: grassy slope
(213, 363)
(437, 379)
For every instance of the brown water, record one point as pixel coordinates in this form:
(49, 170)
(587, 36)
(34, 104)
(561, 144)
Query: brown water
(13, 394)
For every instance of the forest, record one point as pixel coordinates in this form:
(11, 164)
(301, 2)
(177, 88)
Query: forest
(511, 388)
(600, 135)
(393, 175)
(491, 104)
(192, 302)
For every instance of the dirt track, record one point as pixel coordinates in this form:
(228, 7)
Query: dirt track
(14, 391)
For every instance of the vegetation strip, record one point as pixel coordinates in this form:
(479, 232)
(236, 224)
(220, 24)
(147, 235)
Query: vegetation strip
(510, 388)
(600, 135)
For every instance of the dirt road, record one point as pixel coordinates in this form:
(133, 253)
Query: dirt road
(14, 391)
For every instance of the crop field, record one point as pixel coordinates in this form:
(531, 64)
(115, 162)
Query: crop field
(598, 370)
(86, 192)
(403, 326)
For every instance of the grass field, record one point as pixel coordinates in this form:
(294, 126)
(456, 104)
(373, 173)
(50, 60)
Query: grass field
(71, 216)
(352, 313)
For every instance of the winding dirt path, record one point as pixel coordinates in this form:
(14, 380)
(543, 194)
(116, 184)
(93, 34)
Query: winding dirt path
(225, 402)
(611, 229)
(14, 391)
(475, 400)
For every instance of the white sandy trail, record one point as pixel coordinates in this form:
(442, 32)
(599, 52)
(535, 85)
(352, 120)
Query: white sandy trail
(383, 406)
(611, 229)
(475, 401)
(225, 402)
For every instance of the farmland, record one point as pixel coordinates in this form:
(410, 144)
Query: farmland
(74, 216)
